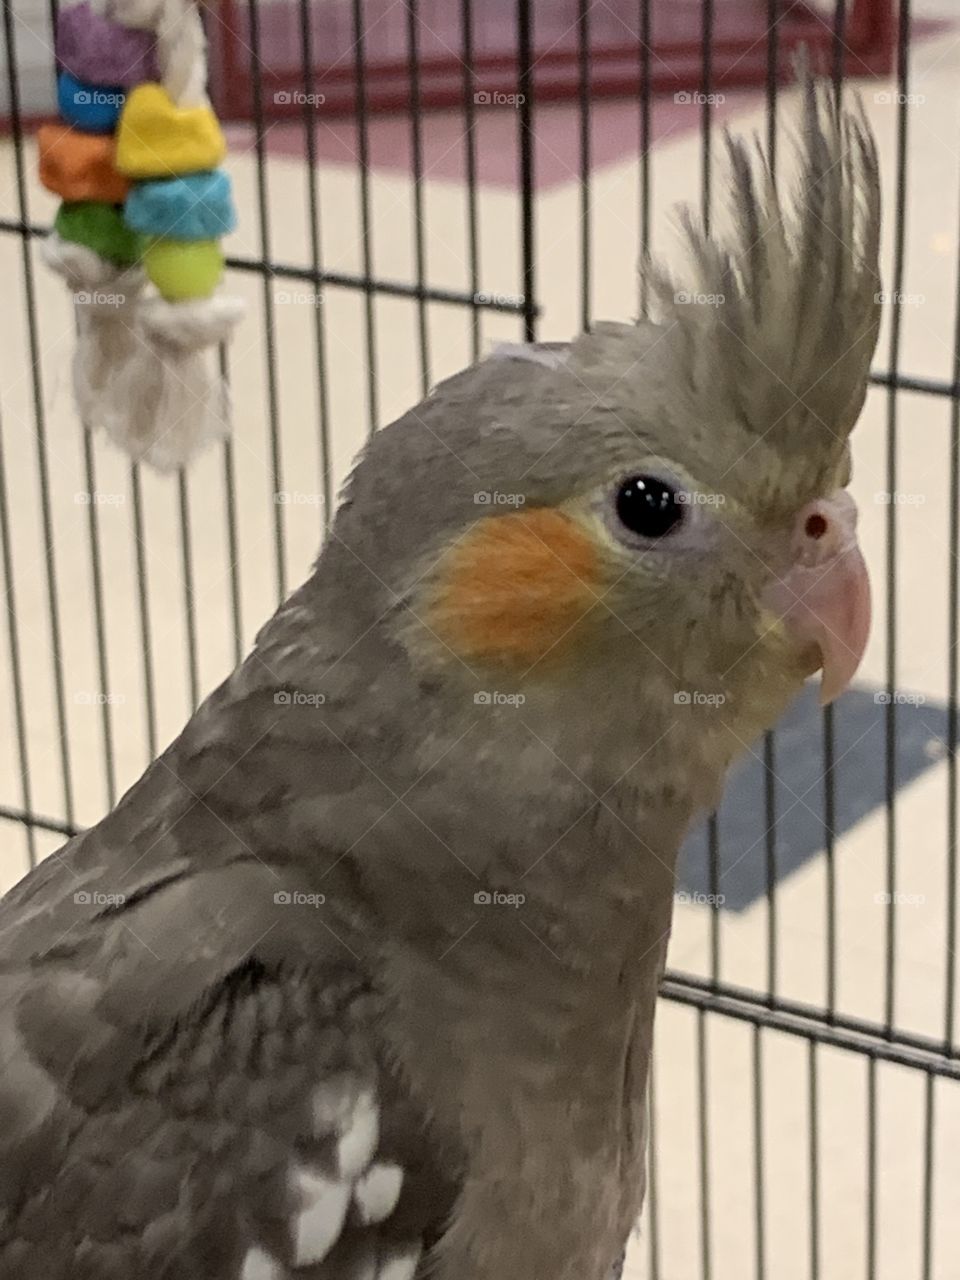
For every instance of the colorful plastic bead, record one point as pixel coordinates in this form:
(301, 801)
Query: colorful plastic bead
(158, 139)
(79, 166)
(184, 269)
(87, 107)
(99, 227)
(197, 207)
(99, 51)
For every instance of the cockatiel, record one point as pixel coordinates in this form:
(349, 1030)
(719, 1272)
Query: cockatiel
(358, 981)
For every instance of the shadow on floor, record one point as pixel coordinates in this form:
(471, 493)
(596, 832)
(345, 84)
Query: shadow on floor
(801, 781)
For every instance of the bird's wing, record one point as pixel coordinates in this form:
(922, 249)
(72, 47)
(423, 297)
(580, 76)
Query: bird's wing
(191, 1087)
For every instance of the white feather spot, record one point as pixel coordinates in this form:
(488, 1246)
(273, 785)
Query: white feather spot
(361, 1133)
(320, 1220)
(258, 1265)
(400, 1264)
(378, 1191)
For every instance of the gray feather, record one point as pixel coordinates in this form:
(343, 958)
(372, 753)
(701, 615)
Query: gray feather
(787, 352)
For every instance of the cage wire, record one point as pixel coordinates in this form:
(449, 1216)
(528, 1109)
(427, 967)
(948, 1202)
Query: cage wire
(770, 1074)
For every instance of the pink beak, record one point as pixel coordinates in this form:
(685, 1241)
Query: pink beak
(824, 598)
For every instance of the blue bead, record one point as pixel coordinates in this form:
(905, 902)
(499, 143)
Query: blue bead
(91, 108)
(198, 206)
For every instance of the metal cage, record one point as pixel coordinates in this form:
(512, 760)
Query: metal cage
(115, 626)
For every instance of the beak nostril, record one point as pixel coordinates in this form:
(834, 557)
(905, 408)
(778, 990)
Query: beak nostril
(816, 526)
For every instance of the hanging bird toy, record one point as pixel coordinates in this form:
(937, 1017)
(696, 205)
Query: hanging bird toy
(136, 162)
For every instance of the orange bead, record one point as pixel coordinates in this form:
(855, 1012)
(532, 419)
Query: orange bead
(80, 166)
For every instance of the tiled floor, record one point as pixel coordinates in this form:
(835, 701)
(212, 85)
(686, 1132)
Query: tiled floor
(933, 216)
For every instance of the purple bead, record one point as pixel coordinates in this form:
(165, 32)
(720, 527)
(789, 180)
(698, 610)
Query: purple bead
(99, 51)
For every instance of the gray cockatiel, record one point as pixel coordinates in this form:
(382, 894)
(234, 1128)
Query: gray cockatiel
(358, 981)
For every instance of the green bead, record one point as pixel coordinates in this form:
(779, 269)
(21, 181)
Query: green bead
(99, 227)
(184, 269)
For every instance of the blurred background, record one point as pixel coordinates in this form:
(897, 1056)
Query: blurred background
(416, 182)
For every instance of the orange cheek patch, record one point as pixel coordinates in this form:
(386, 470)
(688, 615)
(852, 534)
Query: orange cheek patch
(512, 589)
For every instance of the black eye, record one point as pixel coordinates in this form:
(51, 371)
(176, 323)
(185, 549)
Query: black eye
(648, 507)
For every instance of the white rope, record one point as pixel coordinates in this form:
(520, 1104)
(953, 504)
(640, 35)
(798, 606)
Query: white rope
(182, 54)
(143, 14)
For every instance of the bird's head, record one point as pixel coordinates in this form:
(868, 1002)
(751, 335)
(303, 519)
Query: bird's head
(655, 514)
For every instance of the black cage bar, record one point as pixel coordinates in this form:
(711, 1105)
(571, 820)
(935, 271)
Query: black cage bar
(497, 289)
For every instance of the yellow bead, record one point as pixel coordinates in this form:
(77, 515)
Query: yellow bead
(184, 269)
(158, 139)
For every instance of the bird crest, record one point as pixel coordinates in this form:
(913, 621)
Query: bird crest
(779, 318)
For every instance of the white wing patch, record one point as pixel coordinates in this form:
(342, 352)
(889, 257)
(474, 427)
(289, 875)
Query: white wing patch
(346, 1190)
(377, 1192)
(258, 1265)
(320, 1221)
(361, 1133)
(400, 1265)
